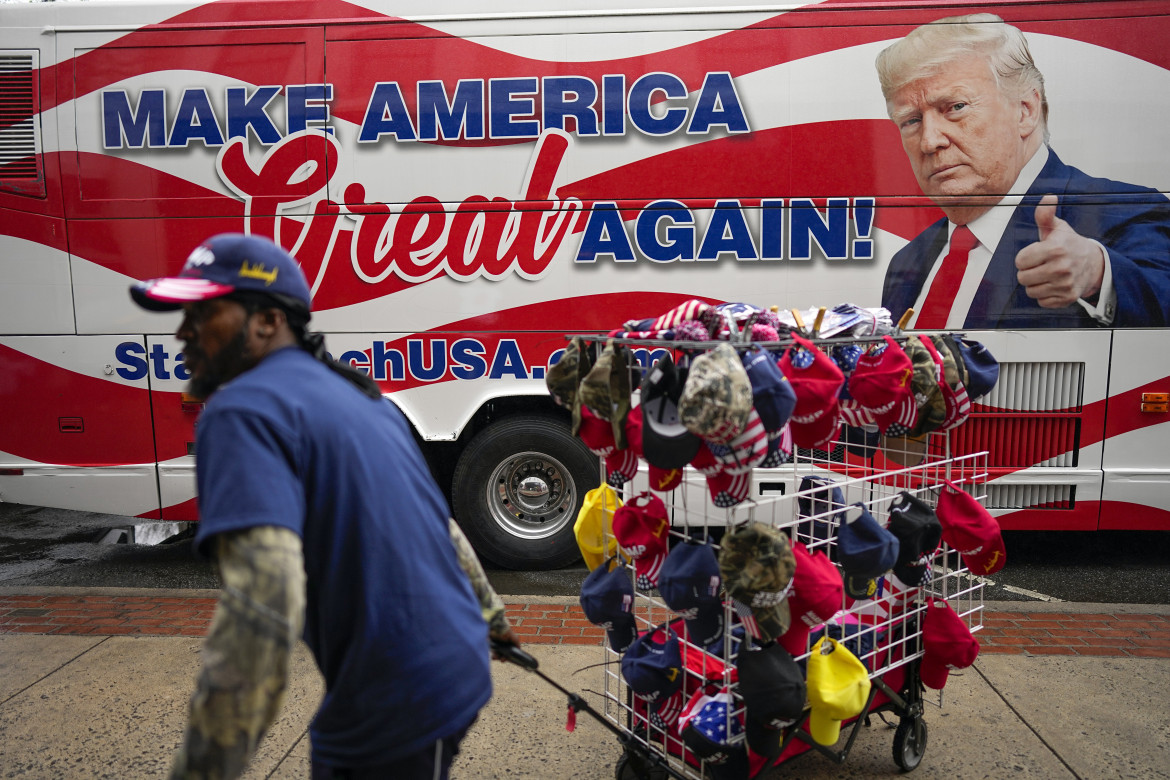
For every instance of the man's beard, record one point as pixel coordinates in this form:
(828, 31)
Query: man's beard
(231, 361)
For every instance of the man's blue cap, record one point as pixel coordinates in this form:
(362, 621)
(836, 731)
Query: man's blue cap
(690, 585)
(772, 393)
(653, 665)
(982, 367)
(864, 548)
(607, 599)
(224, 264)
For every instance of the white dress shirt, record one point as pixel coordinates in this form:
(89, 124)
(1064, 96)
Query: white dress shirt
(989, 229)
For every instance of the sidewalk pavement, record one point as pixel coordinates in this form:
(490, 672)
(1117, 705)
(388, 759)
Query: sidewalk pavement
(94, 684)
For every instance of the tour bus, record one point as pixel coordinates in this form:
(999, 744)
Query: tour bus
(464, 184)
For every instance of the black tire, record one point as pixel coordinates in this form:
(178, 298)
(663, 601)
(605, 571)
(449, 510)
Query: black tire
(909, 743)
(531, 530)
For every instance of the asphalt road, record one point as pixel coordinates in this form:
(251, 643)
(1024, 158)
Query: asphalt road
(55, 547)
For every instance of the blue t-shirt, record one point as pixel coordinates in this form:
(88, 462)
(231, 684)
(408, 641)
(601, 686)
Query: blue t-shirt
(391, 618)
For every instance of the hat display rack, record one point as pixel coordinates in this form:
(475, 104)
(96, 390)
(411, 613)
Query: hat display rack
(770, 579)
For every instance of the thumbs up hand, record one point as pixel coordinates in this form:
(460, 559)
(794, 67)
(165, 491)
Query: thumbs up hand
(1062, 265)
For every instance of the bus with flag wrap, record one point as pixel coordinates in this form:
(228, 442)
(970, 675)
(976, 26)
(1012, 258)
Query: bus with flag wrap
(465, 186)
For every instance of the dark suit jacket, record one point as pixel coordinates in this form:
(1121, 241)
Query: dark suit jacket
(1132, 223)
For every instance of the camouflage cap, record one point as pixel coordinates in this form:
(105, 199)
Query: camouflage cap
(947, 343)
(606, 389)
(717, 397)
(564, 377)
(925, 384)
(757, 564)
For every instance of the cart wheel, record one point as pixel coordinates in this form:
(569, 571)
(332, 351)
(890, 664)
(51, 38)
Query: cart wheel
(633, 767)
(909, 743)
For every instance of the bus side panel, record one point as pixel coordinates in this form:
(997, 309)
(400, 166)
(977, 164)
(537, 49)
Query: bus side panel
(1136, 492)
(35, 293)
(77, 427)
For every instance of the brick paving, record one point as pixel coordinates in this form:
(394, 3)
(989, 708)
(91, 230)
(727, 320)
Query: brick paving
(1035, 633)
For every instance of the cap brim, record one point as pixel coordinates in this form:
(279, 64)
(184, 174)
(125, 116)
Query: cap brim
(664, 480)
(762, 739)
(706, 627)
(666, 444)
(817, 434)
(990, 559)
(170, 293)
(648, 569)
(822, 728)
(623, 633)
(860, 588)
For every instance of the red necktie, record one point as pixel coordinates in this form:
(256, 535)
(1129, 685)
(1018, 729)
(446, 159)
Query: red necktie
(937, 306)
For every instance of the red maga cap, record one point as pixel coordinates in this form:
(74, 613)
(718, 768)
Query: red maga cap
(969, 528)
(947, 644)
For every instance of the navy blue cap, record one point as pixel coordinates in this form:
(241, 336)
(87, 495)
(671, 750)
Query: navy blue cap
(652, 666)
(607, 599)
(225, 264)
(860, 440)
(864, 548)
(982, 367)
(919, 533)
(689, 584)
(772, 393)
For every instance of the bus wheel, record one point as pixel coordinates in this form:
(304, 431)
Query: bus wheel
(517, 489)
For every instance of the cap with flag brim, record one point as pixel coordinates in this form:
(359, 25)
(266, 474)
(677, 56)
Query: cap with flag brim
(642, 528)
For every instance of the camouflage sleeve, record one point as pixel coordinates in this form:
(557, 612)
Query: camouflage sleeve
(490, 602)
(246, 654)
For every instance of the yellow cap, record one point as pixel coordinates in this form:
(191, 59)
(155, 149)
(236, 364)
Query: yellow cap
(594, 526)
(838, 687)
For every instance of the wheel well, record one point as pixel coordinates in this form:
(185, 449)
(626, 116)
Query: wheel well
(442, 456)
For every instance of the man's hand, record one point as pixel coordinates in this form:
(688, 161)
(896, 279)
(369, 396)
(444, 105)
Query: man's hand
(505, 637)
(1063, 265)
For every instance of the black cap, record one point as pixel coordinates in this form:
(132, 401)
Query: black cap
(919, 533)
(666, 442)
(774, 693)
